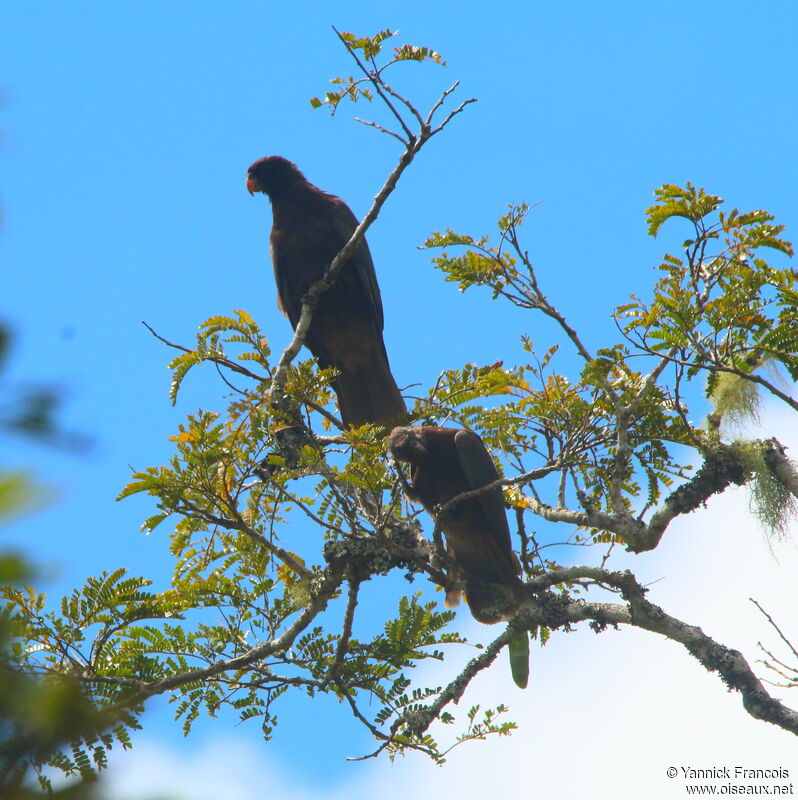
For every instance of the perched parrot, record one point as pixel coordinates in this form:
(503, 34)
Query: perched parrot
(444, 463)
(309, 228)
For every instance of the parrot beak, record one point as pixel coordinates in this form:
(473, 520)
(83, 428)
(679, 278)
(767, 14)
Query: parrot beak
(252, 185)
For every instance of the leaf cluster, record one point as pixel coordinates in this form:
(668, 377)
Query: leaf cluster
(371, 48)
(720, 306)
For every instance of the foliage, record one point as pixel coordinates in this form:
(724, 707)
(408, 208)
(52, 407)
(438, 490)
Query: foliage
(722, 305)
(47, 720)
(370, 47)
(30, 411)
(279, 517)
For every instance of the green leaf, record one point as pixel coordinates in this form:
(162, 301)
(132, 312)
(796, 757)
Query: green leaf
(673, 201)
(17, 493)
(410, 52)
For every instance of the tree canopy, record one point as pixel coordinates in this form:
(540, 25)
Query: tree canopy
(279, 516)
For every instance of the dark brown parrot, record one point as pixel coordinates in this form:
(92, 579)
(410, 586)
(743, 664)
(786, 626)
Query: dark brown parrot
(445, 462)
(309, 228)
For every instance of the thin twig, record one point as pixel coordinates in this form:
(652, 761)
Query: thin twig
(225, 362)
(773, 624)
(376, 83)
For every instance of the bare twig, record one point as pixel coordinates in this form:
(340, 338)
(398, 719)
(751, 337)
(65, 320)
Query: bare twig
(776, 627)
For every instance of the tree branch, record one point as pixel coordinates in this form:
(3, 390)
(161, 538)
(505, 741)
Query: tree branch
(527, 477)
(775, 455)
(325, 587)
(346, 633)
(554, 612)
(721, 468)
(238, 524)
(221, 361)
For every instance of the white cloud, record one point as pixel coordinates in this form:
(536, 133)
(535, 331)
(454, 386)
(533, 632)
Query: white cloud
(222, 770)
(604, 715)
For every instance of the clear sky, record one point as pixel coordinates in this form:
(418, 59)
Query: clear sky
(127, 130)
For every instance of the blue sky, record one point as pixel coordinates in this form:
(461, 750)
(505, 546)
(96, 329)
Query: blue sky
(127, 130)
